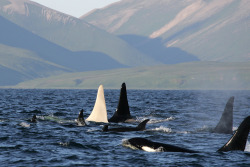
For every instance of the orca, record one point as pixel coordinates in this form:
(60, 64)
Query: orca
(236, 142)
(140, 127)
(80, 120)
(150, 146)
(225, 124)
(239, 139)
(33, 119)
(122, 113)
(99, 112)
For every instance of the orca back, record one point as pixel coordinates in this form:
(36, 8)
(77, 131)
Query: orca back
(145, 144)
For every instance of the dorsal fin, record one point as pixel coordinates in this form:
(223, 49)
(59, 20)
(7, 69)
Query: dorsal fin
(225, 124)
(80, 119)
(33, 118)
(122, 112)
(142, 125)
(99, 112)
(239, 139)
(105, 128)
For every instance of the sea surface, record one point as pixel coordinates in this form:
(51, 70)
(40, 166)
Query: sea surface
(181, 118)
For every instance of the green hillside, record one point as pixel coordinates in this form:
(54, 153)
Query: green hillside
(199, 75)
(211, 30)
(19, 65)
(70, 32)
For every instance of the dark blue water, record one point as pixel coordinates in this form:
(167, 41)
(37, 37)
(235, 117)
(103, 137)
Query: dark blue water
(181, 118)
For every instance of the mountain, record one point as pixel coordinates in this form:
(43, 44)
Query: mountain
(208, 30)
(30, 56)
(69, 32)
(191, 76)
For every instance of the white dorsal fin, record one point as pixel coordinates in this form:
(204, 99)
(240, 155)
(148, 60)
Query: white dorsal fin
(99, 112)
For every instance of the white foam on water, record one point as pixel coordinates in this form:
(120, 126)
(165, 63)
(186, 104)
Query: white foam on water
(162, 129)
(24, 124)
(154, 120)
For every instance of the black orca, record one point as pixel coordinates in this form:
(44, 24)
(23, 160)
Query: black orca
(80, 119)
(239, 139)
(225, 124)
(33, 119)
(150, 146)
(237, 142)
(140, 127)
(122, 112)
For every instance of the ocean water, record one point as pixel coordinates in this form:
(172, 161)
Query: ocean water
(181, 118)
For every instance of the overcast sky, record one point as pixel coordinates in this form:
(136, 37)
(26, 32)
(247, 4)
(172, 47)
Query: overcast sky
(75, 8)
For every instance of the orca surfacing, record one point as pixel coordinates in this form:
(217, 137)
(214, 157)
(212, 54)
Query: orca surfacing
(140, 127)
(237, 142)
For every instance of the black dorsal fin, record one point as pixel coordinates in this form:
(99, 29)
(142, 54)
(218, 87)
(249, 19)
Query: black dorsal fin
(80, 119)
(105, 128)
(239, 139)
(142, 125)
(122, 112)
(225, 124)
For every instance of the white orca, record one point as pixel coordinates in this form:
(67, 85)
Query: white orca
(225, 124)
(99, 112)
(140, 127)
(237, 142)
(122, 113)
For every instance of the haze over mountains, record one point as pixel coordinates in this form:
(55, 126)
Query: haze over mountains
(38, 42)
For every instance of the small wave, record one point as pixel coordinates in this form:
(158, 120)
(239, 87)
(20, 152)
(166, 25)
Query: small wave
(7, 147)
(93, 130)
(24, 124)
(53, 118)
(64, 144)
(72, 145)
(154, 120)
(184, 132)
(204, 129)
(162, 129)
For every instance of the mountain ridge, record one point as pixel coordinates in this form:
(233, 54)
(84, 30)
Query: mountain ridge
(212, 30)
(71, 33)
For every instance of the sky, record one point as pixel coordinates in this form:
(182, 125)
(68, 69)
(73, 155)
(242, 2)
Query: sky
(75, 8)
